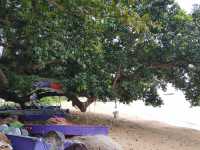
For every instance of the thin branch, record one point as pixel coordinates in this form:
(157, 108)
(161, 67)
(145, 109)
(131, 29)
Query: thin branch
(118, 76)
(52, 62)
(53, 2)
(162, 66)
(3, 80)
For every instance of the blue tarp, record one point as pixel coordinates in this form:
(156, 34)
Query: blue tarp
(42, 84)
(27, 143)
(32, 143)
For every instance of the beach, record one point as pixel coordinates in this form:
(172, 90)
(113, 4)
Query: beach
(146, 135)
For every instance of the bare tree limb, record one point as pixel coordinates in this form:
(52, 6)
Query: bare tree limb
(3, 80)
(118, 76)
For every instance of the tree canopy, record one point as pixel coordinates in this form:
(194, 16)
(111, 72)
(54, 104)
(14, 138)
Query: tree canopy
(99, 49)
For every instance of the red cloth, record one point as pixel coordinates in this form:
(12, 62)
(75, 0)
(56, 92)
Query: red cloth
(56, 86)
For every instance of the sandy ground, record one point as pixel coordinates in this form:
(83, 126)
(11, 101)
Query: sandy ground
(140, 128)
(151, 136)
(146, 135)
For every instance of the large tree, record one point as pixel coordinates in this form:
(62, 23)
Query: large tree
(101, 50)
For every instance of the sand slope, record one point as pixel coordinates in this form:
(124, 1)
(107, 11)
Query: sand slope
(146, 135)
(152, 136)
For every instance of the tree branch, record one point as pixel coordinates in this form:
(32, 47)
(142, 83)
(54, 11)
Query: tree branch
(53, 2)
(2, 21)
(118, 76)
(81, 105)
(3, 80)
(162, 66)
(169, 65)
(12, 96)
(52, 62)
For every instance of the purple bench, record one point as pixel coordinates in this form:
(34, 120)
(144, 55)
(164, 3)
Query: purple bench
(70, 130)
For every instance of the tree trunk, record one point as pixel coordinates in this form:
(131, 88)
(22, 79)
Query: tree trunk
(81, 105)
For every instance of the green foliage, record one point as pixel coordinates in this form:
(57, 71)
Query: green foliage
(21, 83)
(84, 44)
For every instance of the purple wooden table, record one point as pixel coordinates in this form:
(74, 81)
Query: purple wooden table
(71, 130)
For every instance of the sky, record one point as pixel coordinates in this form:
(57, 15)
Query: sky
(187, 4)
